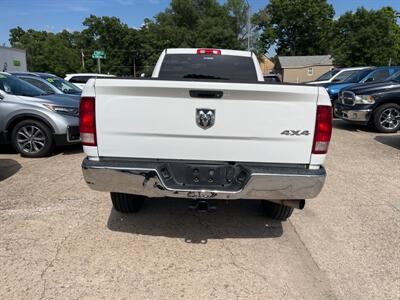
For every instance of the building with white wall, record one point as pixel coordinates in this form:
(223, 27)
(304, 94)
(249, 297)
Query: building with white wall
(12, 60)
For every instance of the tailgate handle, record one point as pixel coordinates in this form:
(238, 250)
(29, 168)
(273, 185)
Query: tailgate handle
(206, 94)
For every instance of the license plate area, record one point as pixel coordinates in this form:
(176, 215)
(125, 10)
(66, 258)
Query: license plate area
(194, 176)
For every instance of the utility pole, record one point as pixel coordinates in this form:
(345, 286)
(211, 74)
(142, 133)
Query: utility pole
(248, 25)
(134, 63)
(83, 59)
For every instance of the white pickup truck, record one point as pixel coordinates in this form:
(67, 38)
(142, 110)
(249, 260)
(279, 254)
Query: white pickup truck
(205, 126)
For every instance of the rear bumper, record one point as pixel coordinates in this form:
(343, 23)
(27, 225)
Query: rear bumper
(145, 178)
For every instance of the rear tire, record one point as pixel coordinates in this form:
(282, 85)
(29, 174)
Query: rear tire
(386, 118)
(127, 203)
(276, 211)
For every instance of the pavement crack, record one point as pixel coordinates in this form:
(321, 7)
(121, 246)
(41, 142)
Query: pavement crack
(392, 206)
(232, 258)
(318, 278)
(55, 257)
(240, 267)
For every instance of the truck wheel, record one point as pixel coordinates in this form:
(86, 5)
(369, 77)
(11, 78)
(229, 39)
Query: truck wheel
(386, 118)
(276, 211)
(32, 138)
(127, 203)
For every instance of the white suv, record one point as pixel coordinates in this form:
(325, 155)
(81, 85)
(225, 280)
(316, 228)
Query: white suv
(80, 79)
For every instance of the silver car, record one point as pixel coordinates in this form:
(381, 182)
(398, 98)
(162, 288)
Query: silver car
(33, 121)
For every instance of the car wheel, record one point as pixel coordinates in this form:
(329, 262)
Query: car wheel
(127, 203)
(386, 118)
(276, 211)
(32, 138)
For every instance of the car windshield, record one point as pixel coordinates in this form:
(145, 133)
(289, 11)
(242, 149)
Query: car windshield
(328, 75)
(358, 76)
(14, 86)
(63, 85)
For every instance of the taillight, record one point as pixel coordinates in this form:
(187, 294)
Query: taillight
(87, 121)
(323, 129)
(209, 51)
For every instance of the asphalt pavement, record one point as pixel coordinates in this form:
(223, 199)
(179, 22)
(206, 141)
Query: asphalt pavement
(61, 240)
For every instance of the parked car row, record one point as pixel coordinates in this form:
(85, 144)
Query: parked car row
(49, 82)
(368, 96)
(39, 111)
(376, 104)
(335, 75)
(35, 120)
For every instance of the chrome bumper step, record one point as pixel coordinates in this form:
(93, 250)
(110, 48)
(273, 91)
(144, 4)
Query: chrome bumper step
(147, 178)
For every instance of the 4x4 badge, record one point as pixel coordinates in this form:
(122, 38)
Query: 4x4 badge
(295, 132)
(205, 118)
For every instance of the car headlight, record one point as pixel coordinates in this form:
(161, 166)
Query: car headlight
(67, 110)
(331, 91)
(364, 99)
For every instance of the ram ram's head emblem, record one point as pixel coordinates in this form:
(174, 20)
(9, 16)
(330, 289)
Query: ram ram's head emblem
(205, 118)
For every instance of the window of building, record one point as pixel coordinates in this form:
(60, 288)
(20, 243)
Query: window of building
(310, 71)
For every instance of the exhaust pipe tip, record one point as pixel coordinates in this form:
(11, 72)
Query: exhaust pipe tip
(302, 204)
(299, 204)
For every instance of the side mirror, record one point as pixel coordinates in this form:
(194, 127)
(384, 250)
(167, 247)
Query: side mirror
(370, 79)
(336, 80)
(1, 95)
(142, 75)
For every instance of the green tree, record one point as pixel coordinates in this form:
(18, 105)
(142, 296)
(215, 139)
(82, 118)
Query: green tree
(296, 27)
(116, 39)
(239, 13)
(46, 51)
(189, 24)
(185, 23)
(367, 37)
(60, 53)
(245, 24)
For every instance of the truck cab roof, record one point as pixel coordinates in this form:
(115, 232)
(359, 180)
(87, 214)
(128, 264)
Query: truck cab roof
(210, 51)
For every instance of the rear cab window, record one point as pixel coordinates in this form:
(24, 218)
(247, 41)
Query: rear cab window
(80, 79)
(208, 67)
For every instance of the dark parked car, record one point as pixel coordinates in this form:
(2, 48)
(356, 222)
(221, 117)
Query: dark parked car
(271, 78)
(372, 74)
(377, 104)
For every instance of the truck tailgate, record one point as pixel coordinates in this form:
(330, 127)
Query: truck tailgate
(158, 119)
